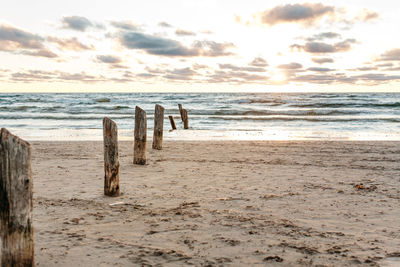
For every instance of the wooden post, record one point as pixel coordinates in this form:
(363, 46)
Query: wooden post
(158, 127)
(171, 120)
(139, 148)
(185, 119)
(111, 161)
(16, 231)
(180, 111)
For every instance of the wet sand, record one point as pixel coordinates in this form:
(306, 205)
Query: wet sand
(224, 203)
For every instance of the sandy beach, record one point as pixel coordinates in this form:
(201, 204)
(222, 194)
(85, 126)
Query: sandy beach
(221, 203)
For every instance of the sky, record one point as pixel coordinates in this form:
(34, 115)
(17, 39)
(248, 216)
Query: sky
(199, 46)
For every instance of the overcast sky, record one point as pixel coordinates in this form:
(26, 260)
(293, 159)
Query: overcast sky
(192, 46)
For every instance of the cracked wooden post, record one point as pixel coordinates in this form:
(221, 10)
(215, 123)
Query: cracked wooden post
(111, 161)
(139, 147)
(158, 127)
(16, 231)
(185, 119)
(171, 120)
(180, 111)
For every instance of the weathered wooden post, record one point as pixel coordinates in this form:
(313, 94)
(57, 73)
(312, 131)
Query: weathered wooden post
(16, 231)
(171, 120)
(111, 161)
(180, 111)
(158, 127)
(185, 119)
(139, 147)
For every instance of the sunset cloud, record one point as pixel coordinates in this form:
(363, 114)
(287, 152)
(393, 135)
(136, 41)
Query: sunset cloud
(72, 44)
(161, 46)
(391, 55)
(125, 25)
(156, 45)
(181, 32)
(367, 15)
(78, 23)
(240, 68)
(18, 41)
(319, 69)
(297, 13)
(54, 76)
(12, 38)
(322, 60)
(164, 24)
(109, 59)
(290, 66)
(258, 62)
(321, 47)
(324, 35)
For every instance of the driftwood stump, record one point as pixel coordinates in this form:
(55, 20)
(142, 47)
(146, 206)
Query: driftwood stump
(139, 147)
(111, 161)
(185, 119)
(16, 231)
(158, 127)
(171, 120)
(180, 111)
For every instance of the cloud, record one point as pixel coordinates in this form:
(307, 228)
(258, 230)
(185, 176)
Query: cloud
(39, 53)
(125, 25)
(320, 47)
(17, 41)
(54, 76)
(109, 59)
(237, 68)
(180, 74)
(324, 35)
(164, 24)
(181, 32)
(367, 15)
(237, 77)
(290, 66)
(364, 69)
(303, 13)
(322, 60)
(12, 38)
(156, 45)
(78, 23)
(71, 44)
(259, 62)
(377, 78)
(318, 69)
(391, 55)
(213, 49)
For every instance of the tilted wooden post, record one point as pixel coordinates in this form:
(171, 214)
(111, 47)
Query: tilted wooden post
(185, 119)
(111, 161)
(158, 127)
(180, 111)
(139, 147)
(171, 120)
(16, 231)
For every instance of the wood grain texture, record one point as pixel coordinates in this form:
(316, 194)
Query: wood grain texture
(171, 120)
(185, 119)
(139, 147)
(111, 161)
(158, 127)
(16, 241)
(180, 111)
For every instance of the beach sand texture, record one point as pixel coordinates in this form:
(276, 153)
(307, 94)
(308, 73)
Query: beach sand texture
(224, 203)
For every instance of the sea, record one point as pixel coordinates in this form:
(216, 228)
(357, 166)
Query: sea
(212, 116)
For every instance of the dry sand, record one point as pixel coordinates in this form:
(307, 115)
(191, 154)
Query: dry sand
(220, 204)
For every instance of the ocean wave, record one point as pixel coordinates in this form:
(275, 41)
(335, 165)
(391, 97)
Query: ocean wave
(103, 100)
(304, 118)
